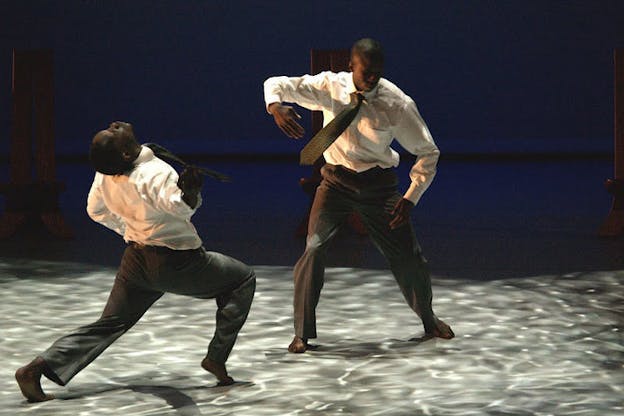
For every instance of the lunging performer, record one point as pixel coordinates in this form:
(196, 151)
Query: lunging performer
(142, 198)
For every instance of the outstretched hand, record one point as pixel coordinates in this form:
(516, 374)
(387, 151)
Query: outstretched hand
(287, 119)
(401, 213)
(190, 182)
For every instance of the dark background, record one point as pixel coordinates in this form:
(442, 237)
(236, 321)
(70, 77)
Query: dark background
(518, 96)
(488, 76)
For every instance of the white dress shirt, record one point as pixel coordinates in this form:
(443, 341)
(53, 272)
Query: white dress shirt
(144, 205)
(386, 114)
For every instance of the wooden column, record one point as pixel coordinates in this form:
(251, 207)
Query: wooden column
(614, 224)
(336, 60)
(32, 191)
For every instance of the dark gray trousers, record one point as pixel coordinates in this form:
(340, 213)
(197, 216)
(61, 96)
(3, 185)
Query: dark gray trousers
(372, 194)
(144, 275)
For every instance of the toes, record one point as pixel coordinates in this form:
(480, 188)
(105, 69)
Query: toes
(226, 381)
(297, 346)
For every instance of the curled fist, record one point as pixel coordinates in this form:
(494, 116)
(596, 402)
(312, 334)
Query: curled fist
(190, 182)
(190, 179)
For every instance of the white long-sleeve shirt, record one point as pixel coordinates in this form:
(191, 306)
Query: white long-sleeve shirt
(386, 114)
(145, 205)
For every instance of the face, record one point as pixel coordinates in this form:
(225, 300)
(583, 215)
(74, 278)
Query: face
(122, 130)
(123, 138)
(118, 138)
(366, 72)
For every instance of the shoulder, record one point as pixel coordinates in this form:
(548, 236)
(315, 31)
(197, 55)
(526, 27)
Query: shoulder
(389, 90)
(392, 99)
(148, 162)
(329, 78)
(151, 171)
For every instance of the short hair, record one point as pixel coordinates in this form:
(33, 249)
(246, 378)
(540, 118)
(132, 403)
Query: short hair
(105, 157)
(369, 48)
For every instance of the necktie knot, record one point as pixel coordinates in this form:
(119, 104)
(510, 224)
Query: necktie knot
(357, 96)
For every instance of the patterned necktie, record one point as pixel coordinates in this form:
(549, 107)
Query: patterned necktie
(326, 136)
(169, 157)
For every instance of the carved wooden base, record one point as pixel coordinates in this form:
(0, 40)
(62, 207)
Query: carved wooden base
(33, 203)
(613, 226)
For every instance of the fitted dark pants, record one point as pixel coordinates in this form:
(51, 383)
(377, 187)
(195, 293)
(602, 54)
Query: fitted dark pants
(372, 194)
(144, 275)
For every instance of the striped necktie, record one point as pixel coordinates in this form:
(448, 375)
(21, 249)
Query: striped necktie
(169, 157)
(326, 136)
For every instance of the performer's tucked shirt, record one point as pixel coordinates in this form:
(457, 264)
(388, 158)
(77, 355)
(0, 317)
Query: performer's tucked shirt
(144, 205)
(386, 114)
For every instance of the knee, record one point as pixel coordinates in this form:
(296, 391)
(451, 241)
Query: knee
(313, 255)
(251, 275)
(248, 284)
(251, 281)
(315, 244)
(413, 262)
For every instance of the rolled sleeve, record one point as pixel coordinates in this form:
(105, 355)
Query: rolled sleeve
(309, 91)
(414, 136)
(99, 212)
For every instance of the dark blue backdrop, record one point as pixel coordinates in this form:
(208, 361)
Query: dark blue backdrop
(528, 75)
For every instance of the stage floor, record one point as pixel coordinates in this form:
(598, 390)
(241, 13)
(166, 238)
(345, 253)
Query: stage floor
(538, 345)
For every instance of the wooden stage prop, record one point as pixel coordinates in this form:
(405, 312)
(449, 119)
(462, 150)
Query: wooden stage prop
(335, 60)
(614, 224)
(31, 195)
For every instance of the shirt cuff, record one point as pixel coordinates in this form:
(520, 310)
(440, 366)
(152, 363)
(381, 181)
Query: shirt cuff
(413, 193)
(270, 99)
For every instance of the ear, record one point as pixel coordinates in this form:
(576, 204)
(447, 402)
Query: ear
(350, 65)
(127, 155)
(130, 153)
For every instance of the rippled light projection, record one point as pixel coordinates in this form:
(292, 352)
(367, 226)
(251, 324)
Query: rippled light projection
(542, 345)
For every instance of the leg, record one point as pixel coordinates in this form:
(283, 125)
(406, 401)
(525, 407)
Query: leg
(407, 263)
(204, 275)
(329, 211)
(73, 352)
(232, 312)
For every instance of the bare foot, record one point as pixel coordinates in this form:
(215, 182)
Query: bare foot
(442, 330)
(219, 371)
(29, 381)
(298, 345)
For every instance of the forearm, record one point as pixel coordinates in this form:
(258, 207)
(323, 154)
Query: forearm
(421, 175)
(307, 91)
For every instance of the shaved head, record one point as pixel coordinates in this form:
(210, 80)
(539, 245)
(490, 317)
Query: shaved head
(370, 49)
(366, 63)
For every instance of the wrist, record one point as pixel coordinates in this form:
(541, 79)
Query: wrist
(271, 107)
(191, 199)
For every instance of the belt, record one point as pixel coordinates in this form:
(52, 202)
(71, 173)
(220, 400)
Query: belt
(374, 171)
(141, 246)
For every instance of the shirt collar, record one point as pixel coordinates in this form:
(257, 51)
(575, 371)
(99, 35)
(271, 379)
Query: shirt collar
(367, 94)
(145, 155)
